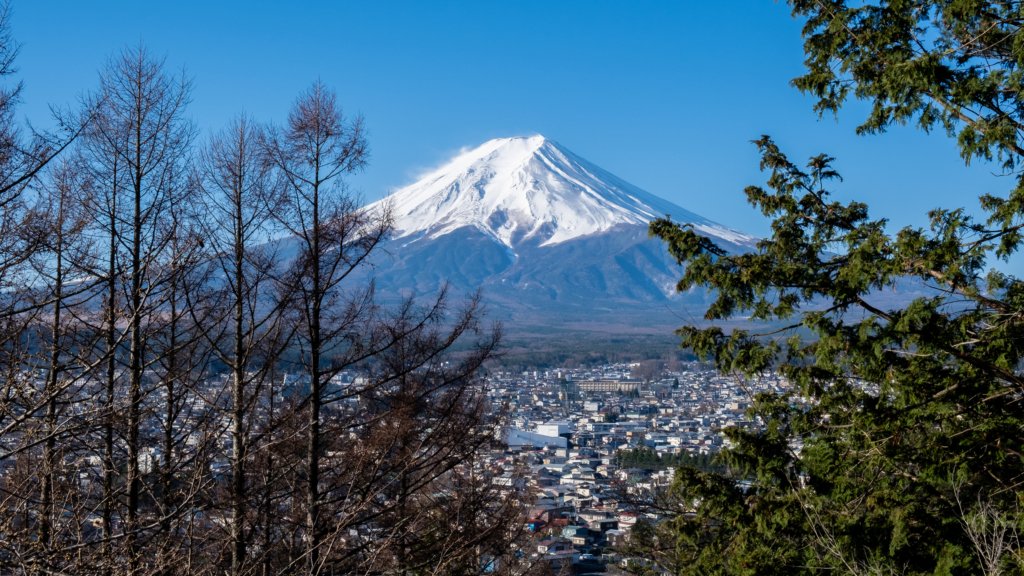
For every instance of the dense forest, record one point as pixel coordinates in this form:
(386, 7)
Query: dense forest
(900, 449)
(191, 382)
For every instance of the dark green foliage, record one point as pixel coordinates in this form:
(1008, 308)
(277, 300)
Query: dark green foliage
(648, 459)
(904, 428)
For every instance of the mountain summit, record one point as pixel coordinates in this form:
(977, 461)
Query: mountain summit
(530, 190)
(552, 241)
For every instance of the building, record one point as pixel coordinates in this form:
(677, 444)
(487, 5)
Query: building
(608, 386)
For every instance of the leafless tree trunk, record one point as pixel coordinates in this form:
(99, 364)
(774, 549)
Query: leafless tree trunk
(138, 146)
(420, 423)
(30, 317)
(235, 179)
(312, 155)
(179, 359)
(50, 371)
(61, 221)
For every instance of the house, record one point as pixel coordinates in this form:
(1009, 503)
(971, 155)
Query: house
(616, 538)
(554, 545)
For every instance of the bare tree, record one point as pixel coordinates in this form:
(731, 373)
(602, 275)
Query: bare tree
(180, 355)
(138, 146)
(106, 172)
(312, 154)
(114, 435)
(991, 529)
(392, 417)
(61, 222)
(413, 477)
(246, 332)
(51, 383)
(23, 156)
(34, 333)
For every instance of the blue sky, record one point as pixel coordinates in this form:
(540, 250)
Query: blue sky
(665, 94)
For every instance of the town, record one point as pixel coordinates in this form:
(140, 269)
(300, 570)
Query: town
(598, 444)
(582, 451)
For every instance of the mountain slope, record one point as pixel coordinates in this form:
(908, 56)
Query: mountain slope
(531, 190)
(550, 239)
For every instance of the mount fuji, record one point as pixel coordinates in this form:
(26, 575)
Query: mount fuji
(551, 240)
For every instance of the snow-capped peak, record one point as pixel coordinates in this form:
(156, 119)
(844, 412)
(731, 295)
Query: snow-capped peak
(530, 189)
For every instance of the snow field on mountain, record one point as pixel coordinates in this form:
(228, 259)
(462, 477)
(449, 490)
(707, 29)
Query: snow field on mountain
(531, 190)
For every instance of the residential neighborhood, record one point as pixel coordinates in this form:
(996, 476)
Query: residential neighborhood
(569, 429)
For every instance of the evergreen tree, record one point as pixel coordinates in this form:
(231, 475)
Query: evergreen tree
(908, 455)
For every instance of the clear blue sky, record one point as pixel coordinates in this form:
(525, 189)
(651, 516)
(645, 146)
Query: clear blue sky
(665, 94)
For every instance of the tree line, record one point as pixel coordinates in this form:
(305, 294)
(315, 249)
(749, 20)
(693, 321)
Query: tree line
(649, 459)
(195, 378)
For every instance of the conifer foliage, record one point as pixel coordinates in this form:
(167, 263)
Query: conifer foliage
(900, 446)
